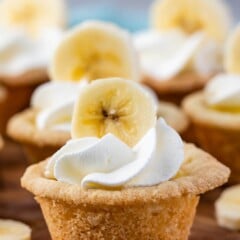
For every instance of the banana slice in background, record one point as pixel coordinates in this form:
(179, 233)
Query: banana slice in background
(33, 16)
(232, 53)
(14, 230)
(228, 208)
(95, 50)
(210, 16)
(118, 106)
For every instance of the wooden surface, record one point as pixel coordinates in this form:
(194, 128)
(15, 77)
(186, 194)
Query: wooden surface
(16, 203)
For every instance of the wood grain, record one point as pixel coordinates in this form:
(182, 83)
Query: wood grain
(16, 203)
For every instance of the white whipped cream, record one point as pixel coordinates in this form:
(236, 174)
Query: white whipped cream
(20, 53)
(108, 162)
(55, 102)
(223, 91)
(163, 55)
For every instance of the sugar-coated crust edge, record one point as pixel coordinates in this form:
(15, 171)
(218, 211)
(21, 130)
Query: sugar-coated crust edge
(199, 173)
(194, 106)
(21, 128)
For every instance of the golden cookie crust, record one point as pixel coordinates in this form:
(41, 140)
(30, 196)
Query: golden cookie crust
(134, 222)
(22, 128)
(199, 173)
(198, 111)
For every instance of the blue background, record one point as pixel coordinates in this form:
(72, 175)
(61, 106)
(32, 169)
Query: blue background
(130, 14)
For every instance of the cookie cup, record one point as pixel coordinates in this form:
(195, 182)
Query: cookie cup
(37, 144)
(175, 89)
(40, 144)
(165, 211)
(15, 93)
(216, 131)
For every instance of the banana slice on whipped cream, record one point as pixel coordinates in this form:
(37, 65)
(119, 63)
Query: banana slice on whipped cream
(119, 106)
(95, 50)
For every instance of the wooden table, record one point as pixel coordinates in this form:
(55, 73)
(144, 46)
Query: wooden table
(16, 203)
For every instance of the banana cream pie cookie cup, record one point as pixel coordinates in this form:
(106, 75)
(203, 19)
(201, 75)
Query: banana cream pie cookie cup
(124, 174)
(29, 30)
(215, 112)
(183, 48)
(215, 121)
(45, 126)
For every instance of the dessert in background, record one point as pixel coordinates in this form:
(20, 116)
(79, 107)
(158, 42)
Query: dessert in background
(227, 208)
(215, 112)
(90, 51)
(124, 174)
(11, 230)
(183, 48)
(29, 32)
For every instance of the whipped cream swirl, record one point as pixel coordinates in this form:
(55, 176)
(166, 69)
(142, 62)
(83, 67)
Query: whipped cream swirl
(54, 102)
(223, 91)
(20, 53)
(163, 55)
(108, 162)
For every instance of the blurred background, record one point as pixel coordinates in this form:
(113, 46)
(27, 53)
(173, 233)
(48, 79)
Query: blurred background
(132, 15)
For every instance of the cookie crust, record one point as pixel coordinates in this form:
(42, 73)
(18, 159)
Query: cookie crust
(199, 173)
(22, 128)
(198, 111)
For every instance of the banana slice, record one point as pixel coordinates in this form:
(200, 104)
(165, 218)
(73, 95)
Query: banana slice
(209, 16)
(14, 230)
(118, 106)
(228, 208)
(95, 50)
(32, 15)
(232, 54)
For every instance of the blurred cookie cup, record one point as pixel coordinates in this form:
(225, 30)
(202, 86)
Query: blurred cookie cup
(29, 30)
(45, 126)
(215, 112)
(183, 47)
(215, 120)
